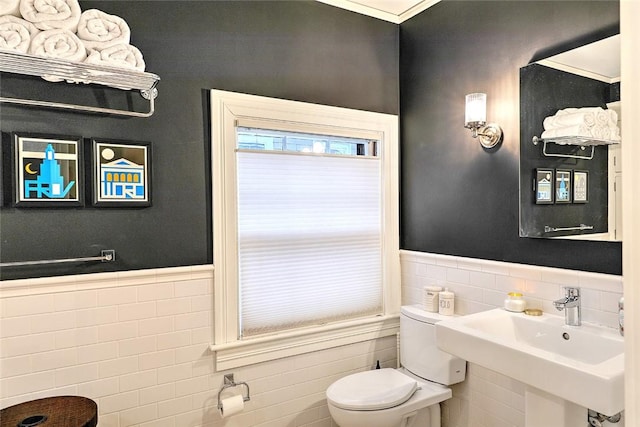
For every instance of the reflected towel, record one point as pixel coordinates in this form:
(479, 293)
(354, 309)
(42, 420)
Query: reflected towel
(607, 118)
(587, 119)
(610, 133)
(121, 56)
(10, 7)
(16, 33)
(578, 110)
(52, 14)
(98, 30)
(575, 130)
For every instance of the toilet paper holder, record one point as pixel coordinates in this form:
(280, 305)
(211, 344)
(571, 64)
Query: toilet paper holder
(229, 383)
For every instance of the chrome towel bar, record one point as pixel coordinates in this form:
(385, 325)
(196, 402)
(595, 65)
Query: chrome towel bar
(107, 255)
(548, 229)
(84, 108)
(79, 72)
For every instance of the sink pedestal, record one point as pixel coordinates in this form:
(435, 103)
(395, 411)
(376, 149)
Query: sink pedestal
(544, 409)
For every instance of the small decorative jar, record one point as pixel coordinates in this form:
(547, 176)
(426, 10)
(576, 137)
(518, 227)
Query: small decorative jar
(446, 302)
(431, 299)
(514, 302)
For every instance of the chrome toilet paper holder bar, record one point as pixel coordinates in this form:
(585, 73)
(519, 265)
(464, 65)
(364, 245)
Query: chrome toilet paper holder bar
(229, 383)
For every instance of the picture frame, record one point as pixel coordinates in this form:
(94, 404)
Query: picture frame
(544, 186)
(121, 173)
(2, 169)
(580, 186)
(47, 170)
(563, 188)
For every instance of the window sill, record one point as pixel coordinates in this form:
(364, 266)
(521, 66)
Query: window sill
(241, 353)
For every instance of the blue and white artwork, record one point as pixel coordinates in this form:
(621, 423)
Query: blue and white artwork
(563, 186)
(121, 173)
(47, 170)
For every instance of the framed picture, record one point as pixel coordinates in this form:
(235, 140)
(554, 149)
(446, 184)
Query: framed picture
(544, 186)
(580, 187)
(563, 188)
(2, 170)
(121, 173)
(47, 170)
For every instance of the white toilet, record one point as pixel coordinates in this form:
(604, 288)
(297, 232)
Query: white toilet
(406, 397)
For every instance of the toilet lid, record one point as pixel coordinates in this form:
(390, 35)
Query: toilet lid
(372, 390)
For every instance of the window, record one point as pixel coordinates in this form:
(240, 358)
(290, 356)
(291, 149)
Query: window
(305, 227)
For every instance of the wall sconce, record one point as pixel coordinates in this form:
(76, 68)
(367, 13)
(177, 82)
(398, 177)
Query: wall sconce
(475, 118)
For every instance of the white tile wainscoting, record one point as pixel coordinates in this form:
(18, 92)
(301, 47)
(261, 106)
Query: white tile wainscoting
(137, 343)
(486, 398)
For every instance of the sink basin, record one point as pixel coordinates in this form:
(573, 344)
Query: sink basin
(580, 364)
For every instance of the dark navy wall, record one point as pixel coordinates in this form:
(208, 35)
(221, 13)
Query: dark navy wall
(457, 198)
(300, 50)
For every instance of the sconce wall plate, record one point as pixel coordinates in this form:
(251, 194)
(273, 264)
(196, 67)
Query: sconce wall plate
(489, 135)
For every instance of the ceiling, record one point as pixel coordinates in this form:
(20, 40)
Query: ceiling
(603, 65)
(395, 11)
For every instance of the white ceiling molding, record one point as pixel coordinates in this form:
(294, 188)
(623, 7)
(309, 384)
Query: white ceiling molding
(599, 60)
(396, 11)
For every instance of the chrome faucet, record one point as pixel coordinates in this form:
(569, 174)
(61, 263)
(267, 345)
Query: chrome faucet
(571, 306)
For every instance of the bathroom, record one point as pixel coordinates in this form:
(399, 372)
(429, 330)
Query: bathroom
(134, 335)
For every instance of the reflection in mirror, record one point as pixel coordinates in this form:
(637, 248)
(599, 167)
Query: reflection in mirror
(570, 165)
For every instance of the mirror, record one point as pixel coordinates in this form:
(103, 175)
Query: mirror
(570, 169)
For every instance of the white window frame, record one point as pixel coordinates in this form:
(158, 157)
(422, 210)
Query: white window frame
(228, 109)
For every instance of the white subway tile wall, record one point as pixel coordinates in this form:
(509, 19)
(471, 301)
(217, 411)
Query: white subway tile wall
(486, 398)
(137, 343)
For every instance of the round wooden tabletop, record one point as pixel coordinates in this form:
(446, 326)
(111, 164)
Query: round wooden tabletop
(58, 411)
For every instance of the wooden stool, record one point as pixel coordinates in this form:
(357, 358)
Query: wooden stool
(59, 411)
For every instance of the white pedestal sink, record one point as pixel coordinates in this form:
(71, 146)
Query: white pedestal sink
(566, 369)
(544, 409)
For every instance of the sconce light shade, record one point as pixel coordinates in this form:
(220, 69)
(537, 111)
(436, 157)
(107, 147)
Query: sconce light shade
(475, 109)
(475, 118)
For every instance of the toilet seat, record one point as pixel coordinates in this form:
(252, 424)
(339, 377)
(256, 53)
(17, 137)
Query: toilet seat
(372, 390)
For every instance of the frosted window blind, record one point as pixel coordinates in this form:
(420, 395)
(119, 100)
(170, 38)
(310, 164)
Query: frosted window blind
(309, 239)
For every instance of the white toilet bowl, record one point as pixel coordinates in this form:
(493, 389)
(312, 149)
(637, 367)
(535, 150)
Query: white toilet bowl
(408, 397)
(385, 398)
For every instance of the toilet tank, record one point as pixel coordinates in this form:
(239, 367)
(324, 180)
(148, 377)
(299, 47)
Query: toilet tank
(419, 353)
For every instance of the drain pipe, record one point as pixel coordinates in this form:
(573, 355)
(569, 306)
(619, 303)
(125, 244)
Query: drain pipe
(596, 419)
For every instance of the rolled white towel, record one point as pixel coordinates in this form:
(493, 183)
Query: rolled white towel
(98, 30)
(61, 44)
(10, 7)
(120, 55)
(52, 14)
(16, 33)
(569, 119)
